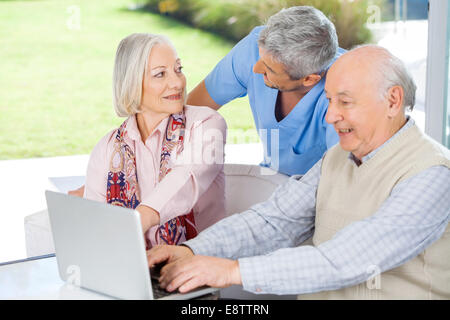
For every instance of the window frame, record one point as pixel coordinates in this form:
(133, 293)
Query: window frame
(436, 101)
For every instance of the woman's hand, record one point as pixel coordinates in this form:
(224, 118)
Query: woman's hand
(78, 192)
(149, 217)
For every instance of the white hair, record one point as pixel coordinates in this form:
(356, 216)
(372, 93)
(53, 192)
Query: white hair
(393, 72)
(129, 70)
(302, 38)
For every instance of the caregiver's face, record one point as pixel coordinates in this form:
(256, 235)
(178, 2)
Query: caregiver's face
(164, 83)
(274, 73)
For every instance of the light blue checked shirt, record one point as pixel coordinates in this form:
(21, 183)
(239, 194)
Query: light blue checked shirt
(265, 239)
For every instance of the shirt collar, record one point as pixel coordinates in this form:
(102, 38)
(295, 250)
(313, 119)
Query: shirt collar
(133, 129)
(409, 123)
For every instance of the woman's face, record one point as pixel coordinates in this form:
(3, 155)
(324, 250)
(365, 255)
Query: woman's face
(163, 87)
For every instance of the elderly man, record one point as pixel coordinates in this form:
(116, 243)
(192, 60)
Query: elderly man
(377, 205)
(281, 67)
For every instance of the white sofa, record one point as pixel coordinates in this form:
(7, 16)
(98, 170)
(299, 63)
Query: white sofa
(245, 186)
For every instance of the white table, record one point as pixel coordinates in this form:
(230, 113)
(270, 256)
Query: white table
(38, 278)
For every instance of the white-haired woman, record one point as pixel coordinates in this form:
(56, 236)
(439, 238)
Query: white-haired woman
(166, 159)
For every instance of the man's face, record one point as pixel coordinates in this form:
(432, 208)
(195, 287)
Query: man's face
(356, 109)
(275, 75)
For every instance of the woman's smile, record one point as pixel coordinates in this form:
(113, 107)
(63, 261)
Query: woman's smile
(177, 96)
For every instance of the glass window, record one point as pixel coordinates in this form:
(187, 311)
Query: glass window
(402, 28)
(437, 89)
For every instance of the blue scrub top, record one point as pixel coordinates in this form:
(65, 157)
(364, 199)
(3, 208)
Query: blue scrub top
(296, 143)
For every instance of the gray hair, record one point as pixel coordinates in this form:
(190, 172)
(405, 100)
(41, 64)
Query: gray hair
(302, 38)
(393, 72)
(129, 71)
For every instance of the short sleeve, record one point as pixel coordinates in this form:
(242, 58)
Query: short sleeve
(229, 78)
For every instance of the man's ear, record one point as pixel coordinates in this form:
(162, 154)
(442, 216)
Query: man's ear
(395, 97)
(311, 80)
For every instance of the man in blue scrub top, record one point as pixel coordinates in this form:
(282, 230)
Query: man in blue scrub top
(282, 68)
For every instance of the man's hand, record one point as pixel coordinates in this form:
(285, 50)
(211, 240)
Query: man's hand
(78, 192)
(189, 273)
(169, 254)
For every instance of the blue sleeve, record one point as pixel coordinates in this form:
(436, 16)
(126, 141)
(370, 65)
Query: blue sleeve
(229, 78)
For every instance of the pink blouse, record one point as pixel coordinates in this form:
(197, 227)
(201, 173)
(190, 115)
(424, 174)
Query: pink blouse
(196, 180)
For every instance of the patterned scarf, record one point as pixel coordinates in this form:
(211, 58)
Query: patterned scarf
(123, 188)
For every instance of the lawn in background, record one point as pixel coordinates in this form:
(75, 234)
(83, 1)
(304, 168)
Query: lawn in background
(55, 78)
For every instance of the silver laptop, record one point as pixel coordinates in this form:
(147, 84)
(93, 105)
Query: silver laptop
(101, 247)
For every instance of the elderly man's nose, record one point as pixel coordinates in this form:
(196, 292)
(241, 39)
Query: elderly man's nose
(332, 114)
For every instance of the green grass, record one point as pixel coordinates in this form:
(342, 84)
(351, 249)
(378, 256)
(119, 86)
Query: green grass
(55, 83)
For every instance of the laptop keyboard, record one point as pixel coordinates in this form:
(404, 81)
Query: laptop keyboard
(159, 292)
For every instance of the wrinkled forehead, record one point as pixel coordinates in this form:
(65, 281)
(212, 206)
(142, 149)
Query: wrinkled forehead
(162, 53)
(350, 73)
(164, 48)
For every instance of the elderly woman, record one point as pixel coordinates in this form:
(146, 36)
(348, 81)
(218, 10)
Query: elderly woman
(166, 159)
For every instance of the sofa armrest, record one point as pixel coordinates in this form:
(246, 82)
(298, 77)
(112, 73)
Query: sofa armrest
(38, 234)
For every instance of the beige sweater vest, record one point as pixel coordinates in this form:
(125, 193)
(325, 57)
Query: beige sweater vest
(347, 193)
